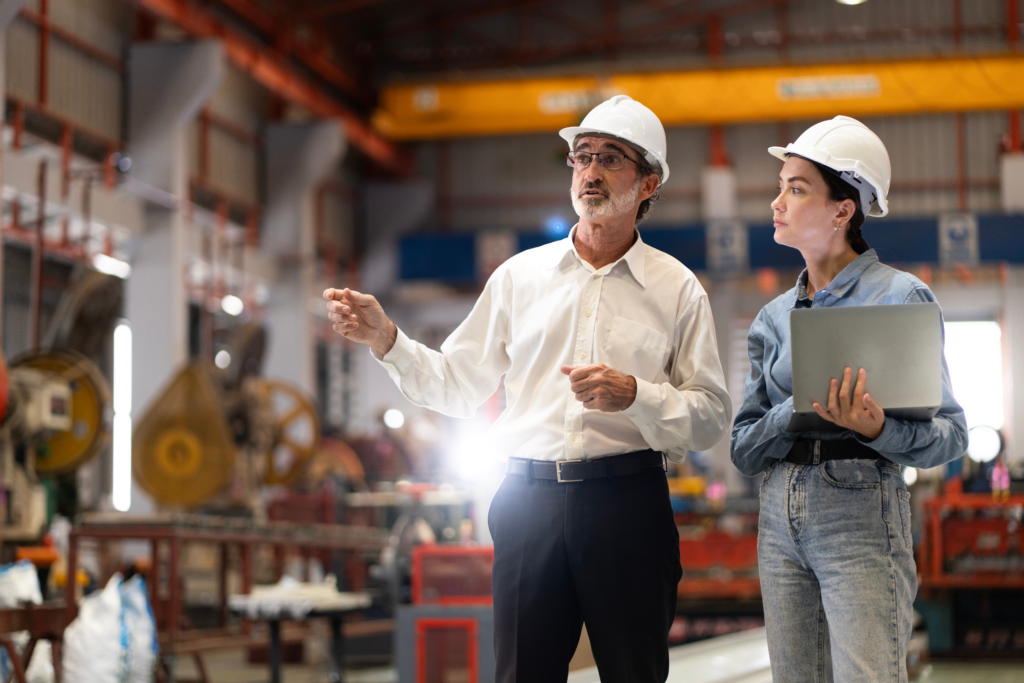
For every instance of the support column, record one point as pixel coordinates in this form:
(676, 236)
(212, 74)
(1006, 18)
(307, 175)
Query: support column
(8, 10)
(1013, 328)
(1011, 167)
(299, 158)
(168, 83)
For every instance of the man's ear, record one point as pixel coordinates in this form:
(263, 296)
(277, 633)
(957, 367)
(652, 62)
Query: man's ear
(649, 186)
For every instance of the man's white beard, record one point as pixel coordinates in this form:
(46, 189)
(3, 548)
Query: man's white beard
(605, 207)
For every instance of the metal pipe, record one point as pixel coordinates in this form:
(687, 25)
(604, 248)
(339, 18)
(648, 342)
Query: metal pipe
(44, 51)
(1012, 22)
(36, 295)
(1016, 144)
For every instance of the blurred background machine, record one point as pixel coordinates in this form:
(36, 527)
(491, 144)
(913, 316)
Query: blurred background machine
(54, 420)
(214, 437)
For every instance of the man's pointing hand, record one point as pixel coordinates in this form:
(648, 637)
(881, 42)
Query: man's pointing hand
(361, 318)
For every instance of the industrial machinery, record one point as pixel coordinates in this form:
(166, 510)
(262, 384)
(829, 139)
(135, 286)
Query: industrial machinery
(213, 437)
(53, 420)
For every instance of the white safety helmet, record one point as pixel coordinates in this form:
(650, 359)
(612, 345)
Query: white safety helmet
(849, 148)
(628, 120)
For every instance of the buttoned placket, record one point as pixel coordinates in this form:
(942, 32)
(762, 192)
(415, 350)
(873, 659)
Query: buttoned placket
(583, 354)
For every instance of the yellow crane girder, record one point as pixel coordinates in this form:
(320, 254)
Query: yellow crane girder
(714, 96)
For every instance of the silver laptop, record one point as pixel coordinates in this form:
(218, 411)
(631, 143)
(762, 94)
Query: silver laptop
(899, 346)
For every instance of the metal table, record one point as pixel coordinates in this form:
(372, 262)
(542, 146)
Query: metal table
(278, 609)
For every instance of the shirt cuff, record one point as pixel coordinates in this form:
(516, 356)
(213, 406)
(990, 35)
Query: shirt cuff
(883, 442)
(400, 358)
(647, 404)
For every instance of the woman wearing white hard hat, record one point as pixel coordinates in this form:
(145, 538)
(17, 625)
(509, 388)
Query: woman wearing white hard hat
(835, 555)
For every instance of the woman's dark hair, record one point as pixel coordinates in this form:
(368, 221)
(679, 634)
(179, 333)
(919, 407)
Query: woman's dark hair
(838, 190)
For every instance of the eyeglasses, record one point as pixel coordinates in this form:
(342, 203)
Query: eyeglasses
(612, 161)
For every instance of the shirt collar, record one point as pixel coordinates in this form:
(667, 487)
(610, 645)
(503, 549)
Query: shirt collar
(635, 259)
(842, 282)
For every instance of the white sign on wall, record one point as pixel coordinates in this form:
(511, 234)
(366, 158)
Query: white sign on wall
(728, 248)
(958, 239)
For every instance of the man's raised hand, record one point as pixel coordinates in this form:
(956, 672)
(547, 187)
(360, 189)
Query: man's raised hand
(361, 318)
(599, 387)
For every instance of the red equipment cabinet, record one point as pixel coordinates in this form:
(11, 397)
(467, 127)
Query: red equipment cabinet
(452, 574)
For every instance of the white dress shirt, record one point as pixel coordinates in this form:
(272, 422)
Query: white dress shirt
(645, 315)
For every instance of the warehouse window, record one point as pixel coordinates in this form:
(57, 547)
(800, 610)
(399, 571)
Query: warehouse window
(974, 354)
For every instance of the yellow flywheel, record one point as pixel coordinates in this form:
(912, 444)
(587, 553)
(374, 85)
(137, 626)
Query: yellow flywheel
(90, 400)
(182, 450)
(296, 430)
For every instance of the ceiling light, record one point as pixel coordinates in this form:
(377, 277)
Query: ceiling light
(850, 2)
(232, 305)
(394, 418)
(111, 266)
(983, 443)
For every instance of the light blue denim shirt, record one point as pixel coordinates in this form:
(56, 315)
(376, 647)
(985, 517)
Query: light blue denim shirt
(759, 434)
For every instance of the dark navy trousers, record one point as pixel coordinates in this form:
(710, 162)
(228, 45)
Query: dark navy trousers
(604, 552)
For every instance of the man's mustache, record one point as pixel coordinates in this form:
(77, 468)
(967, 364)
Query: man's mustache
(591, 185)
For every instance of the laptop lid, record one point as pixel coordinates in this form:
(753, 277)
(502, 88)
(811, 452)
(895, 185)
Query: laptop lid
(899, 346)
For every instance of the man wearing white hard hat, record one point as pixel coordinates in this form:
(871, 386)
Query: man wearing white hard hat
(835, 555)
(610, 362)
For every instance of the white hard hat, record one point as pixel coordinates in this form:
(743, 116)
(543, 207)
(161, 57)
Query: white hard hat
(627, 119)
(850, 149)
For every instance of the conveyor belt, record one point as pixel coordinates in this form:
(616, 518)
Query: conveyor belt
(735, 658)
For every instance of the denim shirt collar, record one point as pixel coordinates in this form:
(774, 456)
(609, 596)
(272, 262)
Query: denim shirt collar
(842, 282)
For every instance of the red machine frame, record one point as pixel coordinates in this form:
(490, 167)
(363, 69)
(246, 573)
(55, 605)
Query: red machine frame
(419, 552)
(933, 548)
(426, 623)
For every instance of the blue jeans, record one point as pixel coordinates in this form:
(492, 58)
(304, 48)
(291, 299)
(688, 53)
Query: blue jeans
(837, 569)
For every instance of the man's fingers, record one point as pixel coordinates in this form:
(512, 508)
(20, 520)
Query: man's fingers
(567, 369)
(582, 372)
(358, 298)
(329, 293)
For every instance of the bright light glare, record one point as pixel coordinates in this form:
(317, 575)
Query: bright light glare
(850, 2)
(111, 266)
(222, 359)
(123, 369)
(232, 305)
(469, 454)
(910, 476)
(394, 418)
(974, 354)
(983, 444)
(121, 488)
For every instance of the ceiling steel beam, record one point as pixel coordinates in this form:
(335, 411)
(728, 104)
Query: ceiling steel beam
(314, 59)
(274, 74)
(453, 18)
(330, 9)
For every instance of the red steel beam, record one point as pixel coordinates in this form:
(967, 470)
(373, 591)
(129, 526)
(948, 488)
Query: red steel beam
(319, 63)
(263, 66)
(338, 8)
(1012, 22)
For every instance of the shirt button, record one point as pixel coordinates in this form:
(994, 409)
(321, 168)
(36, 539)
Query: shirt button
(596, 276)
(398, 359)
(588, 314)
(572, 438)
(583, 355)
(388, 366)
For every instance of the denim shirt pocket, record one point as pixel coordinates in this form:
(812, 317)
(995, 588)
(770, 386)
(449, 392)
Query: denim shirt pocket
(904, 499)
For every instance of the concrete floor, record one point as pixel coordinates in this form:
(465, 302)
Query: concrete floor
(231, 667)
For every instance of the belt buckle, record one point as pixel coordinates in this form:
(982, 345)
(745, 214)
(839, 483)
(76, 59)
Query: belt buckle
(558, 471)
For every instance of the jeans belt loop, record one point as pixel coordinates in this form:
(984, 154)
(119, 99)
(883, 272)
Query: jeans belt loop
(817, 452)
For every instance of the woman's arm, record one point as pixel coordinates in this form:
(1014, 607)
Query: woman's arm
(759, 434)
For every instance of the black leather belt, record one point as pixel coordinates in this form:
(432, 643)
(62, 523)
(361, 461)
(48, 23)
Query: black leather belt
(804, 452)
(566, 471)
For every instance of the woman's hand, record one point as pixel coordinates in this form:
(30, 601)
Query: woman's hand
(859, 412)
